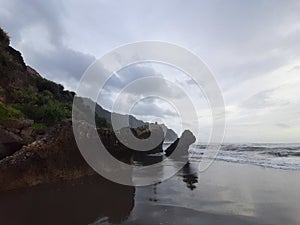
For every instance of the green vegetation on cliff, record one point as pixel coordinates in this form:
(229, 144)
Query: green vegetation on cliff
(23, 94)
(8, 112)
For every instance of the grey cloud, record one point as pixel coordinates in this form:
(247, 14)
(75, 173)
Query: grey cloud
(259, 100)
(61, 63)
(282, 125)
(18, 16)
(295, 68)
(137, 72)
(260, 57)
(152, 108)
(262, 100)
(128, 75)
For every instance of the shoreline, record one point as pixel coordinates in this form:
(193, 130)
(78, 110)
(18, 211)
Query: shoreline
(226, 193)
(249, 164)
(258, 195)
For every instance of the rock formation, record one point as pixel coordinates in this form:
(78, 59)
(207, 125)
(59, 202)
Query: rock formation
(13, 135)
(55, 156)
(182, 144)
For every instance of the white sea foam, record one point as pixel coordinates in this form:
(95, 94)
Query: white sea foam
(280, 156)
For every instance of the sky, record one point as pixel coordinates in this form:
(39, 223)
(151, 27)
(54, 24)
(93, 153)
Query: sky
(251, 47)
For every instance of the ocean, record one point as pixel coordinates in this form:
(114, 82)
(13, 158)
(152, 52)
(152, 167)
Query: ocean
(278, 156)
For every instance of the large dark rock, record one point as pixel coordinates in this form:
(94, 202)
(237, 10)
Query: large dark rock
(53, 158)
(153, 143)
(56, 157)
(13, 135)
(182, 144)
(7, 149)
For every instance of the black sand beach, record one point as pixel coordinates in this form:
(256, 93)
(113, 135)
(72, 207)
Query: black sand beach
(227, 193)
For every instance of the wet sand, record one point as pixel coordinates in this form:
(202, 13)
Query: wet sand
(227, 193)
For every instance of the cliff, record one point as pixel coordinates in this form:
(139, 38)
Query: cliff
(37, 143)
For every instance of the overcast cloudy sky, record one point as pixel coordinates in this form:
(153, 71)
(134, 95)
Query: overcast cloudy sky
(252, 47)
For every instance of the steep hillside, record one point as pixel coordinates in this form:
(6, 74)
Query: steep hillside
(31, 104)
(170, 135)
(24, 94)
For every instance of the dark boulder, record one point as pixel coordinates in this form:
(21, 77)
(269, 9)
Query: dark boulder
(13, 135)
(182, 144)
(56, 157)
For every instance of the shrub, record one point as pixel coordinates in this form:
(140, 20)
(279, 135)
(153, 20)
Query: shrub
(48, 114)
(101, 122)
(53, 113)
(38, 126)
(8, 112)
(23, 96)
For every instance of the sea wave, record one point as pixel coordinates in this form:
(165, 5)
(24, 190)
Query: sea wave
(279, 156)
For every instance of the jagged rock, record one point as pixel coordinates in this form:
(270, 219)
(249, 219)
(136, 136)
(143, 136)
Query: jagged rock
(144, 132)
(17, 124)
(9, 142)
(8, 136)
(13, 135)
(56, 157)
(14, 130)
(182, 144)
(43, 161)
(26, 133)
